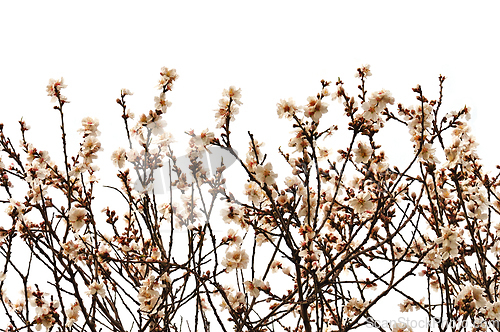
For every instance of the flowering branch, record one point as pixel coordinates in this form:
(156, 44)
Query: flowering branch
(315, 249)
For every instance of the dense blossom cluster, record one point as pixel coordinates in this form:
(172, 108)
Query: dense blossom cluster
(313, 246)
(228, 107)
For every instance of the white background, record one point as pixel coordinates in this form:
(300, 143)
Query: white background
(270, 50)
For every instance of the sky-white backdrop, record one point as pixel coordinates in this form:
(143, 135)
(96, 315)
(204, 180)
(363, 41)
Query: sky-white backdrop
(271, 50)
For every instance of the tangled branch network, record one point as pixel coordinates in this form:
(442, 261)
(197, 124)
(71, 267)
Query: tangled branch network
(318, 244)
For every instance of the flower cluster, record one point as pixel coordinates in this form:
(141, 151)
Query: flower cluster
(373, 107)
(89, 148)
(315, 108)
(148, 293)
(287, 108)
(228, 107)
(236, 259)
(54, 90)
